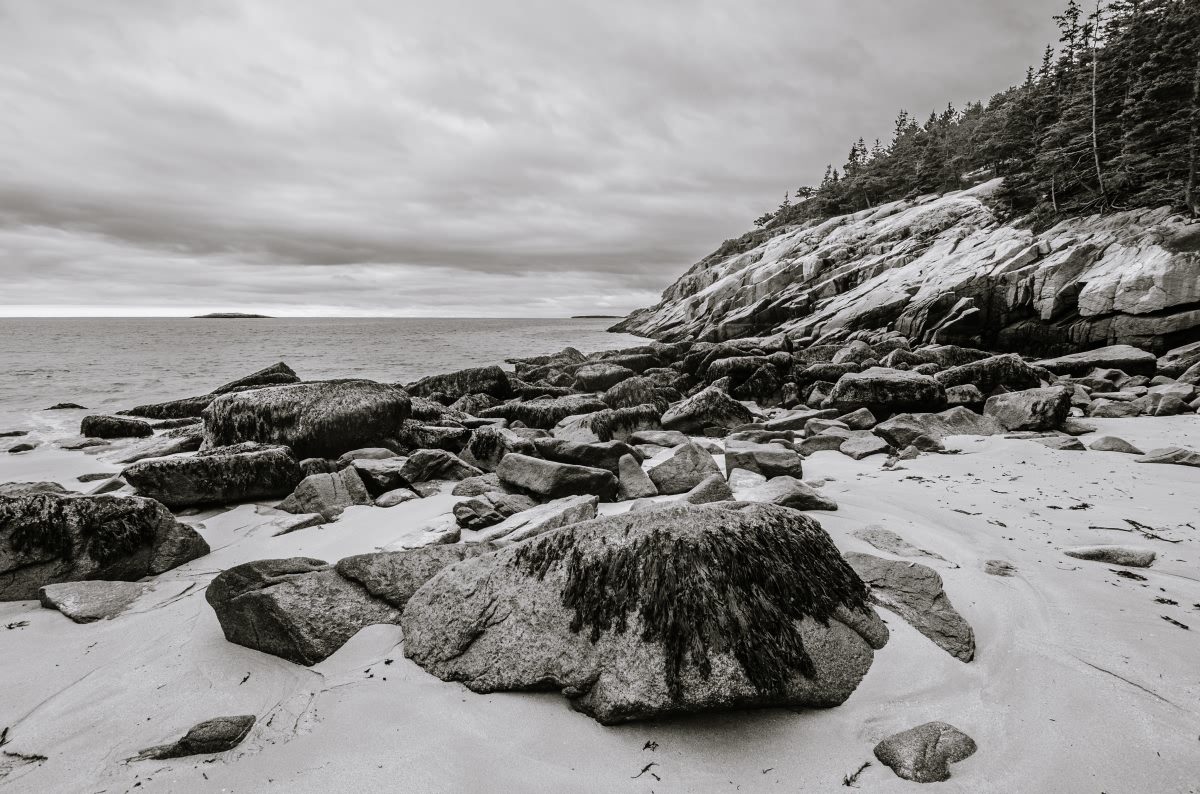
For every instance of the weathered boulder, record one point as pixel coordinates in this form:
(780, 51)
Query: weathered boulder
(926, 431)
(537, 520)
(1032, 409)
(46, 539)
(615, 424)
(393, 576)
(582, 608)
(601, 376)
(864, 446)
(687, 467)
(328, 494)
(163, 445)
(1063, 443)
(638, 391)
(211, 736)
(89, 601)
(769, 460)
(789, 492)
(545, 413)
(298, 609)
(320, 419)
(481, 512)
(632, 480)
(599, 455)
(217, 476)
(660, 438)
(887, 391)
(492, 381)
(1176, 455)
(886, 540)
(551, 480)
(989, 374)
(489, 445)
(474, 486)
(1131, 556)
(1126, 358)
(186, 408)
(1179, 360)
(862, 419)
(396, 496)
(710, 407)
(114, 427)
(29, 488)
(436, 464)
(923, 754)
(1113, 409)
(915, 593)
(380, 475)
(274, 375)
(713, 488)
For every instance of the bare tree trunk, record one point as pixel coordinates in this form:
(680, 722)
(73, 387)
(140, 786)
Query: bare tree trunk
(1095, 72)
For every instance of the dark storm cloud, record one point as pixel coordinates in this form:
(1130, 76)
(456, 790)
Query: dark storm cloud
(468, 155)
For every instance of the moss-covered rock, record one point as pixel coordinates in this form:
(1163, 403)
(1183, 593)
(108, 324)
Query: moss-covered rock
(545, 414)
(492, 381)
(274, 375)
(217, 476)
(321, 419)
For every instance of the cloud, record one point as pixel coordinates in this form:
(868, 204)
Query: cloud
(463, 156)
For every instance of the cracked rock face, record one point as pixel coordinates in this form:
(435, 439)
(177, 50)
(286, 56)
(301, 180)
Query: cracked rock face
(945, 270)
(582, 610)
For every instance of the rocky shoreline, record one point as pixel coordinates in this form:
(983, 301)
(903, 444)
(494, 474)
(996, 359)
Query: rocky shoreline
(645, 531)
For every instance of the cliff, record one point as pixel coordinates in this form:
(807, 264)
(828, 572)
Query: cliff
(947, 270)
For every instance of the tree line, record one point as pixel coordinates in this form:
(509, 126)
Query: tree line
(1110, 120)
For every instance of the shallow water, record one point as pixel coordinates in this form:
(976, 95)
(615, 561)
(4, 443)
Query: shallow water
(107, 364)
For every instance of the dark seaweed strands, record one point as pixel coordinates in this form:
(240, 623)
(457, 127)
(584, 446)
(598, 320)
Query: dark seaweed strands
(110, 533)
(739, 593)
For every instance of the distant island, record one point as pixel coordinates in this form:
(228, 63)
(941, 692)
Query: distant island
(232, 316)
(597, 317)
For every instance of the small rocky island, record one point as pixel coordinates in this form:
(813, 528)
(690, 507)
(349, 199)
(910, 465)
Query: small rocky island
(232, 316)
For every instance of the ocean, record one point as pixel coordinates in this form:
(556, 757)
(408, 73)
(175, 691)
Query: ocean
(107, 364)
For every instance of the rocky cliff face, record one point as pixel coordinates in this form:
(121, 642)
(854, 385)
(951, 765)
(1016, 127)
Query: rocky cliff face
(947, 270)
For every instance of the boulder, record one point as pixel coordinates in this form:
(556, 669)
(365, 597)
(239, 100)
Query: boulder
(217, 476)
(598, 455)
(217, 735)
(914, 592)
(186, 408)
(274, 375)
(46, 539)
(1114, 444)
(114, 427)
(545, 413)
(887, 391)
(328, 494)
(298, 609)
(1008, 371)
(632, 480)
(1062, 443)
(474, 486)
(1179, 360)
(892, 543)
(713, 488)
(396, 496)
(923, 754)
(321, 419)
(554, 610)
(1074, 427)
(436, 464)
(608, 425)
(926, 431)
(1176, 455)
(687, 467)
(89, 601)
(481, 512)
(489, 445)
(164, 445)
(380, 476)
(492, 381)
(830, 440)
(967, 395)
(537, 520)
(862, 419)
(769, 460)
(661, 438)
(859, 448)
(1130, 556)
(365, 454)
(550, 480)
(638, 391)
(1126, 358)
(601, 376)
(1032, 409)
(1112, 409)
(797, 420)
(710, 407)
(393, 576)
(30, 488)
(789, 492)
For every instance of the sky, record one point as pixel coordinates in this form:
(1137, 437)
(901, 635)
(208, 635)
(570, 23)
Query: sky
(457, 158)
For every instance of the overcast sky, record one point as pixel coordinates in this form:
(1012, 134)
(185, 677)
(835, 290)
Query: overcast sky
(444, 157)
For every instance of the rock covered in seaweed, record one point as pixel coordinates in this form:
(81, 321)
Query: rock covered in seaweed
(708, 408)
(99, 426)
(492, 381)
(217, 476)
(585, 610)
(321, 419)
(274, 375)
(47, 538)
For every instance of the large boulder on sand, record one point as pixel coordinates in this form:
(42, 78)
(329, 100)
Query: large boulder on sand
(114, 427)
(299, 609)
(708, 408)
(687, 467)
(217, 735)
(1032, 409)
(789, 492)
(46, 538)
(887, 391)
(988, 374)
(551, 480)
(492, 381)
(599, 455)
(926, 431)
(327, 494)
(223, 475)
(914, 592)
(769, 460)
(1128, 359)
(584, 609)
(322, 419)
(923, 754)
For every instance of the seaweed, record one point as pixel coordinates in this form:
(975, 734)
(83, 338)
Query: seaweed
(739, 585)
(102, 528)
